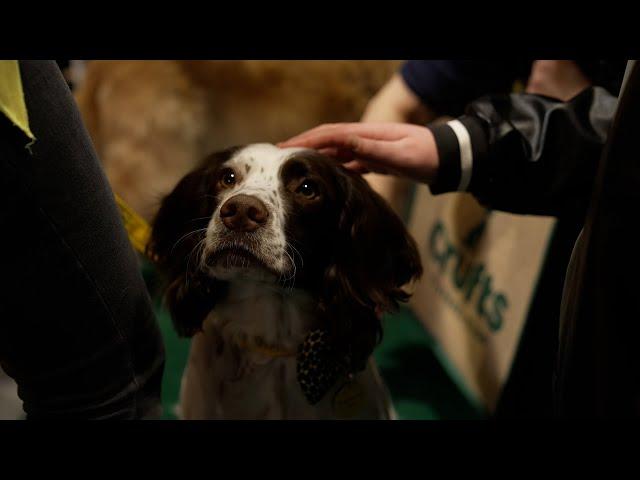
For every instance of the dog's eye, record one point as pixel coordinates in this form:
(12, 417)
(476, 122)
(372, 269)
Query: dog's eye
(228, 178)
(308, 189)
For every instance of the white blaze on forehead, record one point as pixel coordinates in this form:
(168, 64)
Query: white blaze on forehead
(264, 161)
(257, 167)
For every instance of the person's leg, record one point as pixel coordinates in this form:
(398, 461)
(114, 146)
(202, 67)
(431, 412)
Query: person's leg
(77, 329)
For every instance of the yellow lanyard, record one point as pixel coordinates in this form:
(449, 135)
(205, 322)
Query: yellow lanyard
(137, 228)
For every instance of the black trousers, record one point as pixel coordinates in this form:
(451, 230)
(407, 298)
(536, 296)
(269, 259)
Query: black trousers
(77, 329)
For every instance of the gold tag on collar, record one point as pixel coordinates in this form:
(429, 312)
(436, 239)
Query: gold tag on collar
(348, 400)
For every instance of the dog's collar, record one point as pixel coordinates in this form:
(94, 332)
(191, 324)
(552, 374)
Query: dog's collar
(318, 371)
(267, 350)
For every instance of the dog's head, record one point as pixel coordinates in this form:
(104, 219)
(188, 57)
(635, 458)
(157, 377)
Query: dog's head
(288, 216)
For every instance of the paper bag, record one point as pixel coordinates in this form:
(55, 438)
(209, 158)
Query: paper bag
(480, 273)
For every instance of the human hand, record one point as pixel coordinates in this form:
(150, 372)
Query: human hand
(391, 148)
(394, 102)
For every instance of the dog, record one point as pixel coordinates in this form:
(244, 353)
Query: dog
(150, 121)
(278, 264)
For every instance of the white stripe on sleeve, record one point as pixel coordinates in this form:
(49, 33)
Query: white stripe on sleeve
(466, 154)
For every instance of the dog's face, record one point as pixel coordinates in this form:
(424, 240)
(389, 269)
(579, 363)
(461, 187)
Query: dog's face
(272, 205)
(287, 216)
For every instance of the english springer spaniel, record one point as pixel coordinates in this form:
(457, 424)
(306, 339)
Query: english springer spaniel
(279, 263)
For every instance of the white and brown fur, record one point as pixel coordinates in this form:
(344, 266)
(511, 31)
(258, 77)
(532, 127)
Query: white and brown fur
(325, 259)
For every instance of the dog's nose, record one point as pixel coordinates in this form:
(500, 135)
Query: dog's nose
(243, 213)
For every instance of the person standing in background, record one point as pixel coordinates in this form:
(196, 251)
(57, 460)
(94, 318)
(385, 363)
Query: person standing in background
(423, 91)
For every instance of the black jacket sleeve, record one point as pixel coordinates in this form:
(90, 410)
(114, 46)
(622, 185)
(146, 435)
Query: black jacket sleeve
(526, 153)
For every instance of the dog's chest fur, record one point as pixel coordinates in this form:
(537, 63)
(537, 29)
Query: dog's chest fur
(243, 364)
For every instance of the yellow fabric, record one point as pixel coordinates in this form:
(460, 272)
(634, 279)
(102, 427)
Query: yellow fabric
(12, 97)
(138, 230)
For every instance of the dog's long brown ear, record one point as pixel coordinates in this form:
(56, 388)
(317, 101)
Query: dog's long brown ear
(374, 257)
(181, 221)
(177, 234)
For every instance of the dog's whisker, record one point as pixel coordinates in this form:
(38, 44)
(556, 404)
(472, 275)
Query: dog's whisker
(296, 251)
(201, 258)
(188, 272)
(294, 268)
(208, 217)
(185, 236)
